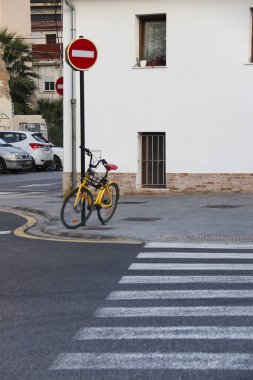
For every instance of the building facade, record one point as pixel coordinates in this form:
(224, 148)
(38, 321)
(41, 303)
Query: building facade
(10, 15)
(46, 31)
(181, 121)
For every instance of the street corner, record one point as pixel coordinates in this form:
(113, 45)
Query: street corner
(21, 230)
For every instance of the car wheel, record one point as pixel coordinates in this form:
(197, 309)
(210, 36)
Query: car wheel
(2, 166)
(56, 164)
(33, 165)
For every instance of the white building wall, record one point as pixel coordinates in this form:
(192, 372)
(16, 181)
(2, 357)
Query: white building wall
(202, 99)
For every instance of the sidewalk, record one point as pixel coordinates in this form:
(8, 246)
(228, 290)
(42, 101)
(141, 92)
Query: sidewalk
(165, 218)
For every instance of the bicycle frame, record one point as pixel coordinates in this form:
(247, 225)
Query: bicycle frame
(80, 187)
(99, 197)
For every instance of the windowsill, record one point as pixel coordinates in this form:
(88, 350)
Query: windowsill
(149, 67)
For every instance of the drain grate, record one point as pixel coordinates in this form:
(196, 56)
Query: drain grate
(222, 206)
(140, 219)
(208, 238)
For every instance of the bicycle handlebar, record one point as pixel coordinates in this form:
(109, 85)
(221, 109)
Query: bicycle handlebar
(88, 152)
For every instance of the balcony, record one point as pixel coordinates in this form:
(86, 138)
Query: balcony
(47, 52)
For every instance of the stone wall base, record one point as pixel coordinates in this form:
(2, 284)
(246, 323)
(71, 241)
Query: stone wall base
(181, 183)
(210, 182)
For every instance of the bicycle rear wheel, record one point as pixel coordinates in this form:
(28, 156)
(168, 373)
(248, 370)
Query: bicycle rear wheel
(73, 217)
(109, 203)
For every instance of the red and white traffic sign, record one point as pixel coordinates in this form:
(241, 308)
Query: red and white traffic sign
(59, 86)
(81, 54)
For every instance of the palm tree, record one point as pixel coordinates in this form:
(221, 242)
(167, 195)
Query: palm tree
(18, 61)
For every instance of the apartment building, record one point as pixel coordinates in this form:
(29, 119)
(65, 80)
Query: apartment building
(46, 31)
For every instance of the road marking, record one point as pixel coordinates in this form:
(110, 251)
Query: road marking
(31, 221)
(147, 360)
(188, 311)
(201, 244)
(7, 192)
(194, 255)
(163, 333)
(170, 360)
(184, 279)
(41, 184)
(5, 232)
(172, 266)
(178, 294)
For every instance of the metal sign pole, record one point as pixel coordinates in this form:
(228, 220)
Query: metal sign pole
(82, 135)
(81, 54)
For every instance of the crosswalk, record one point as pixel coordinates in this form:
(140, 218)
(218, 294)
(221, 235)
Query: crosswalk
(175, 310)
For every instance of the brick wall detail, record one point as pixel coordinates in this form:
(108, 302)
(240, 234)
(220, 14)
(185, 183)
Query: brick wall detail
(210, 182)
(183, 183)
(191, 183)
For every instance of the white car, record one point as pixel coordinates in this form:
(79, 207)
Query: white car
(32, 142)
(57, 163)
(13, 159)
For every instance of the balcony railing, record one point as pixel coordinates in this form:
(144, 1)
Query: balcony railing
(47, 51)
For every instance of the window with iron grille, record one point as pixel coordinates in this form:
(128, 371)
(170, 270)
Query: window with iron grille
(153, 170)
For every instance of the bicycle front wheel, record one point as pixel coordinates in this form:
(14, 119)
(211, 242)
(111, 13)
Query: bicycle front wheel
(109, 203)
(73, 216)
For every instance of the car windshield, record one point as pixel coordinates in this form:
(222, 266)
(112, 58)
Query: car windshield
(4, 143)
(39, 137)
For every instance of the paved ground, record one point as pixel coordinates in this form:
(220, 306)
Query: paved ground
(167, 218)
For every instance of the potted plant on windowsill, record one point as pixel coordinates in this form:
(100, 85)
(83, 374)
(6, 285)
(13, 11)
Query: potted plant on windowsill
(141, 62)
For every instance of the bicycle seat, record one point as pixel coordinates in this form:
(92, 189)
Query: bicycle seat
(111, 167)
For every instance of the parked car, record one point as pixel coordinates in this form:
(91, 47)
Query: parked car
(13, 159)
(57, 163)
(32, 142)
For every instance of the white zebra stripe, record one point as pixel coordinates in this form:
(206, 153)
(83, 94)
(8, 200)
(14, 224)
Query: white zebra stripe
(147, 360)
(173, 266)
(188, 311)
(184, 279)
(178, 294)
(171, 332)
(194, 255)
(200, 244)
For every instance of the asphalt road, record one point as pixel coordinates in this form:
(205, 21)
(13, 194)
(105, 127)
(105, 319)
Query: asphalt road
(31, 181)
(48, 291)
(107, 311)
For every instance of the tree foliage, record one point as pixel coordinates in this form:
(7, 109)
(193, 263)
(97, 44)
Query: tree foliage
(52, 111)
(18, 61)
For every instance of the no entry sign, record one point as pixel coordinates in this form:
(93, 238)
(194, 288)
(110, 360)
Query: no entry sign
(81, 54)
(59, 86)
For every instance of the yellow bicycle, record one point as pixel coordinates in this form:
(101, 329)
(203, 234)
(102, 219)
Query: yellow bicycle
(79, 203)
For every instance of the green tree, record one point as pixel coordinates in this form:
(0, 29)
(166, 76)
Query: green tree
(52, 111)
(18, 61)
